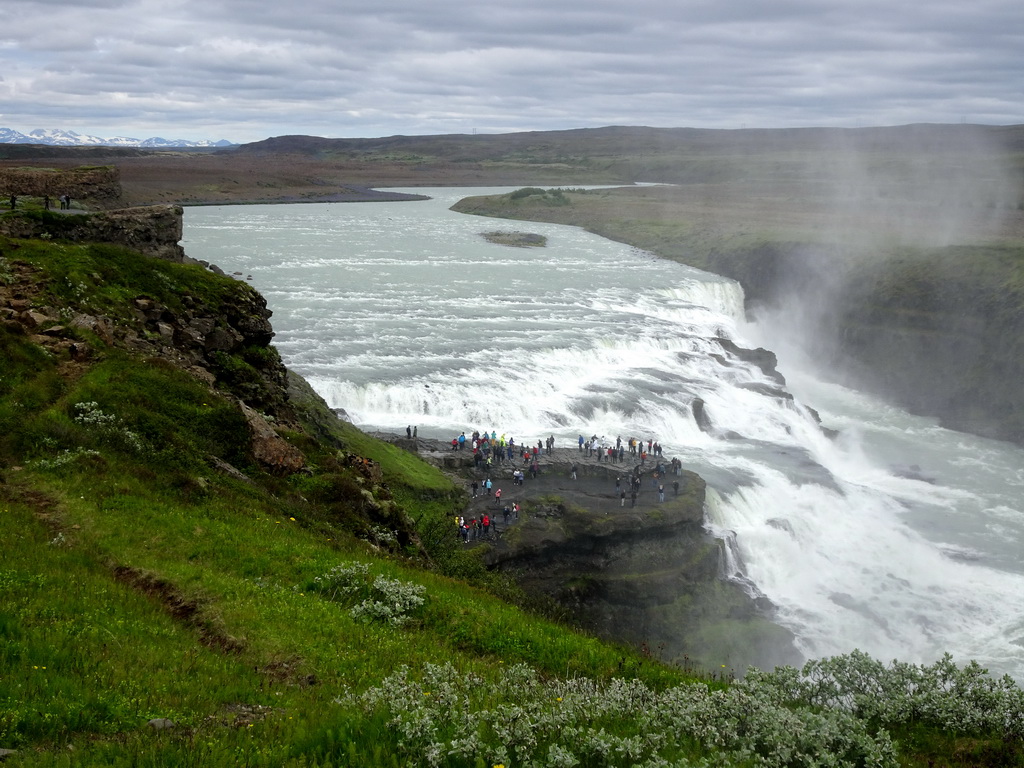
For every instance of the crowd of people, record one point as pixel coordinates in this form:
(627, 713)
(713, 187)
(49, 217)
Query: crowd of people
(491, 450)
(603, 448)
(480, 527)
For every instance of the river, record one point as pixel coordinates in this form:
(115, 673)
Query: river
(896, 537)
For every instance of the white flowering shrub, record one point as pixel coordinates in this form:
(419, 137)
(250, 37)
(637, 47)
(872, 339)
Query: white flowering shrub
(89, 414)
(390, 601)
(64, 458)
(78, 290)
(385, 537)
(107, 426)
(964, 700)
(525, 721)
(342, 581)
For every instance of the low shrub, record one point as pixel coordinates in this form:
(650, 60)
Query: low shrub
(381, 599)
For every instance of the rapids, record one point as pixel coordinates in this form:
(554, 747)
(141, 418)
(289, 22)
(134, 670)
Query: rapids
(896, 537)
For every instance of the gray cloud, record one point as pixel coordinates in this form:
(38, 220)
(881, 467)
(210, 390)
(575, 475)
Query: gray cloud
(244, 69)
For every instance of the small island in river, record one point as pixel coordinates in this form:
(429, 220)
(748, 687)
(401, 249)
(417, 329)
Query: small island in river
(516, 239)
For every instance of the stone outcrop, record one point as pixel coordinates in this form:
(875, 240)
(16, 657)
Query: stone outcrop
(269, 448)
(648, 574)
(764, 359)
(100, 185)
(226, 346)
(155, 230)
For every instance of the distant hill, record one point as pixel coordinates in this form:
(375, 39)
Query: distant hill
(641, 141)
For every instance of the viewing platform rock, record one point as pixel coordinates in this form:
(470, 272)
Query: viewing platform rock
(647, 572)
(556, 507)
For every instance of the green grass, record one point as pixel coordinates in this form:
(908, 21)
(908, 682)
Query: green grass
(123, 602)
(106, 278)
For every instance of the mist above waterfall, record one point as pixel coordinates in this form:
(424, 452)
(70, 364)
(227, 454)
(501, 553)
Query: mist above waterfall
(842, 202)
(921, 186)
(886, 265)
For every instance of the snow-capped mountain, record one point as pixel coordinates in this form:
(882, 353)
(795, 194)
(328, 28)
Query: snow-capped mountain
(61, 138)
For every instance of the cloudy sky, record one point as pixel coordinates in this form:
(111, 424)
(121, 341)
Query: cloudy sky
(248, 69)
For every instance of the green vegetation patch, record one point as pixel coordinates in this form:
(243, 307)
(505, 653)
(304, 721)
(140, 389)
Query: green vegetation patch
(538, 196)
(106, 278)
(516, 239)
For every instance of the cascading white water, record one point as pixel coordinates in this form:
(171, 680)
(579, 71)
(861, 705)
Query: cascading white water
(401, 313)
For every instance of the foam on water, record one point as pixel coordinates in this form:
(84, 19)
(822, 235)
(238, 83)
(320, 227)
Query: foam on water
(898, 537)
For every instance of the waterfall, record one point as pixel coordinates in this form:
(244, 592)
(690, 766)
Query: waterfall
(401, 313)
